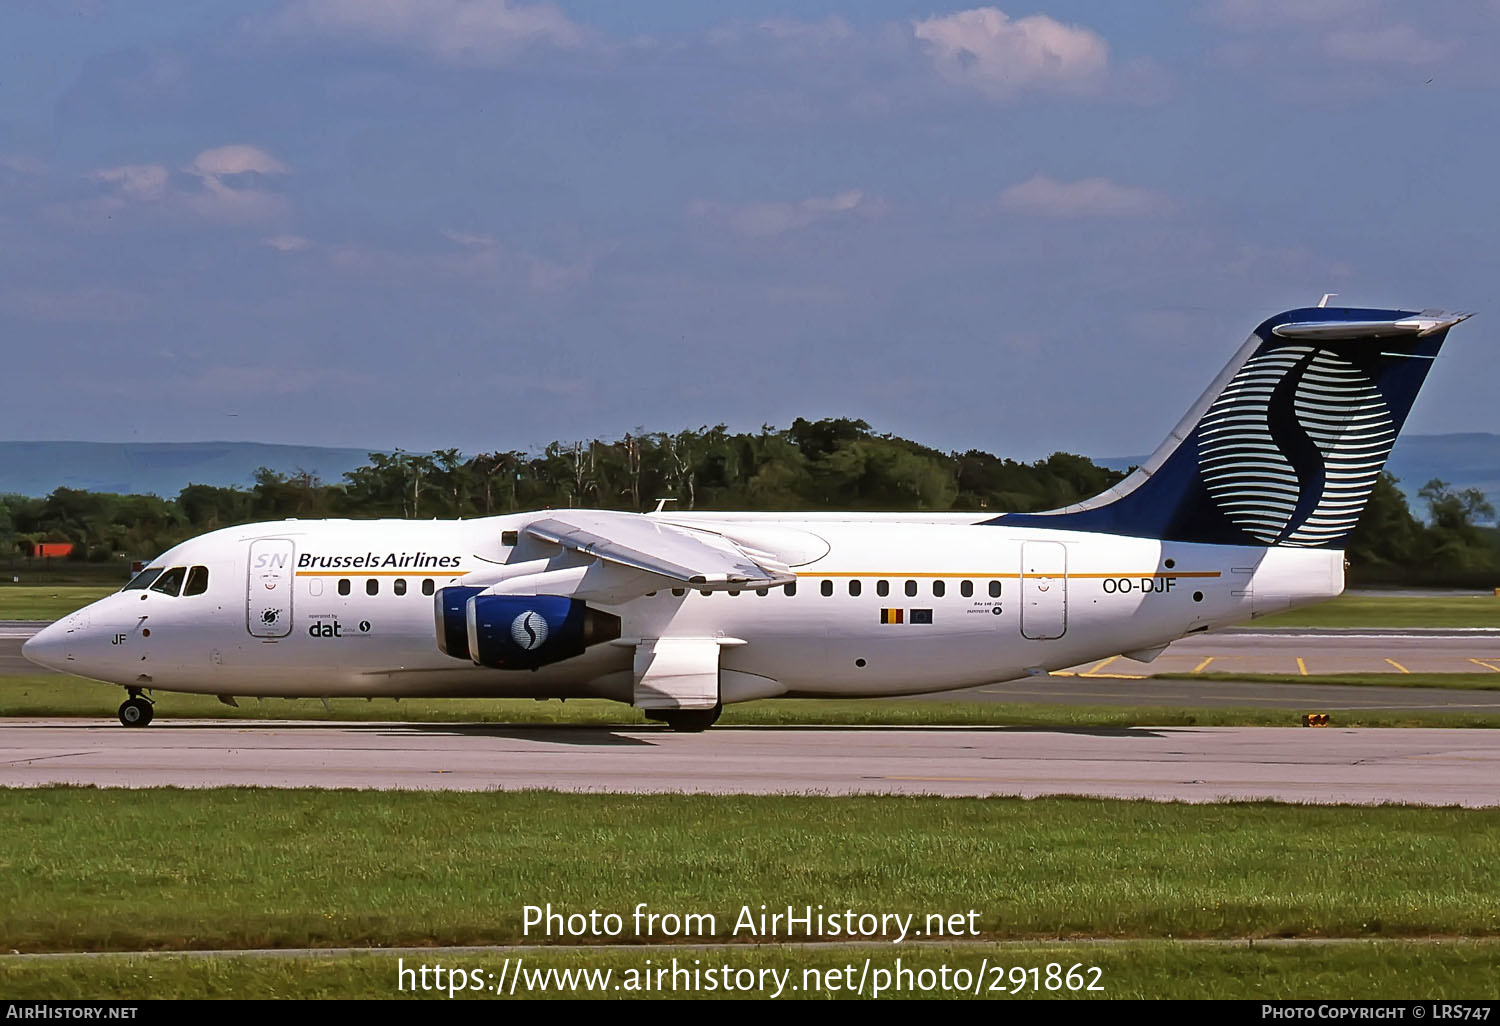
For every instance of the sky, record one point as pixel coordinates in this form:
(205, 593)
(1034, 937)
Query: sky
(489, 224)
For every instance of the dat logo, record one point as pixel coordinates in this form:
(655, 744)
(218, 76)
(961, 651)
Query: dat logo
(529, 630)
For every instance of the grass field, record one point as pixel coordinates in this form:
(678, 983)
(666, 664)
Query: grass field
(1394, 611)
(48, 695)
(86, 869)
(1133, 969)
(48, 602)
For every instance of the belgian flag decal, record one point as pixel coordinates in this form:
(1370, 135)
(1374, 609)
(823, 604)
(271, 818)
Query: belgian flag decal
(892, 615)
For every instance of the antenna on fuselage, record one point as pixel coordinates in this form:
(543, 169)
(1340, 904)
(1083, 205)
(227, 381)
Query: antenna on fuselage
(661, 505)
(1326, 297)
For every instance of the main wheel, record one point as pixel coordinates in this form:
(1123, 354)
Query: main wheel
(690, 721)
(135, 712)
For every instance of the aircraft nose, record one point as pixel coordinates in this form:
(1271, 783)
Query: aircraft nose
(48, 646)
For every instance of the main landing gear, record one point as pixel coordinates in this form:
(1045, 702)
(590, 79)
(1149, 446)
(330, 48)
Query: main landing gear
(687, 721)
(136, 711)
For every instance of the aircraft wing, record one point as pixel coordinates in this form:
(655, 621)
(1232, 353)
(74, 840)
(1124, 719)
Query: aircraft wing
(633, 540)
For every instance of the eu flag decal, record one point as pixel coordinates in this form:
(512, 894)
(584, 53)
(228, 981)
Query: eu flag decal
(921, 616)
(891, 615)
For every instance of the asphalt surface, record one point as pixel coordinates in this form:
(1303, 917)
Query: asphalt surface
(1429, 767)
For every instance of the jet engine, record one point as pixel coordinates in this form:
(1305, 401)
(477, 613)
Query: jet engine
(451, 607)
(522, 632)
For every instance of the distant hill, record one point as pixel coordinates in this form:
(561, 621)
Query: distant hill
(159, 468)
(1463, 460)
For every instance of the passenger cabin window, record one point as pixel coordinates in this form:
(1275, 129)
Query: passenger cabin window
(911, 589)
(197, 582)
(762, 592)
(343, 585)
(994, 589)
(372, 586)
(966, 589)
(826, 588)
(427, 586)
(882, 588)
(170, 583)
(854, 588)
(143, 579)
(939, 589)
(399, 586)
(791, 588)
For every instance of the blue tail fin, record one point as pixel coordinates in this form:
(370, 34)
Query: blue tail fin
(1285, 446)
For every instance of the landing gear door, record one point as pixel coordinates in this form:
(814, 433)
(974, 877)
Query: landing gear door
(268, 598)
(1044, 590)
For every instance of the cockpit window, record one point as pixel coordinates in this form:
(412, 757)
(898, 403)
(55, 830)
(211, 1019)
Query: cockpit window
(197, 582)
(143, 579)
(170, 583)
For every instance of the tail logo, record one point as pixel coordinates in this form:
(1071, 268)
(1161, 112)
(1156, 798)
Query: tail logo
(529, 630)
(1291, 449)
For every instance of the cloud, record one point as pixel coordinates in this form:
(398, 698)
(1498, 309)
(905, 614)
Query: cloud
(287, 243)
(142, 183)
(470, 32)
(237, 159)
(1040, 196)
(770, 219)
(1001, 56)
(223, 184)
(1394, 44)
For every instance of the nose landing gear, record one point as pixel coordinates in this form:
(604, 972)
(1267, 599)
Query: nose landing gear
(136, 711)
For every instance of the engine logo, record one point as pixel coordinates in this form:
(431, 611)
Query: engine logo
(529, 630)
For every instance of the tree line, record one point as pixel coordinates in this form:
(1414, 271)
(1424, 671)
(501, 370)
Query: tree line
(829, 464)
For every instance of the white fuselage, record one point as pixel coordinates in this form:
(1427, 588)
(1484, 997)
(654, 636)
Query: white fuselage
(942, 602)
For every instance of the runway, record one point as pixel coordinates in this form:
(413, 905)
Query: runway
(1429, 767)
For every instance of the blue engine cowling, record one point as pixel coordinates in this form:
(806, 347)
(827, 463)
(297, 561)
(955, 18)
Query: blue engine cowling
(451, 608)
(522, 632)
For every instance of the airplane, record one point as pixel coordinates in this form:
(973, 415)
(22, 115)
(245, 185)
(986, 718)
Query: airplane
(1243, 511)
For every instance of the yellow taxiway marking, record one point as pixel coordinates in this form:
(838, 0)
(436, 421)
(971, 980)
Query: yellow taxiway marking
(1093, 672)
(1069, 673)
(1201, 666)
(1486, 663)
(1398, 666)
(1301, 666)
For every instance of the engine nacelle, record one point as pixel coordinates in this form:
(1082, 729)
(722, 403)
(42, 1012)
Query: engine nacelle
(522, 632)
(451, 611)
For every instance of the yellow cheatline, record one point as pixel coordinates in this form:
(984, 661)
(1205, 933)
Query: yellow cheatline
(1301, 666)
(1203, 665)
(1398, 666)
(1486, 663)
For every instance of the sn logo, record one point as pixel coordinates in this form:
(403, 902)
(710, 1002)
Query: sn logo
(529, 630)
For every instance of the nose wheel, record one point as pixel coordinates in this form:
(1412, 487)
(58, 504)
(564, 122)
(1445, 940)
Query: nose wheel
(135, 712)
